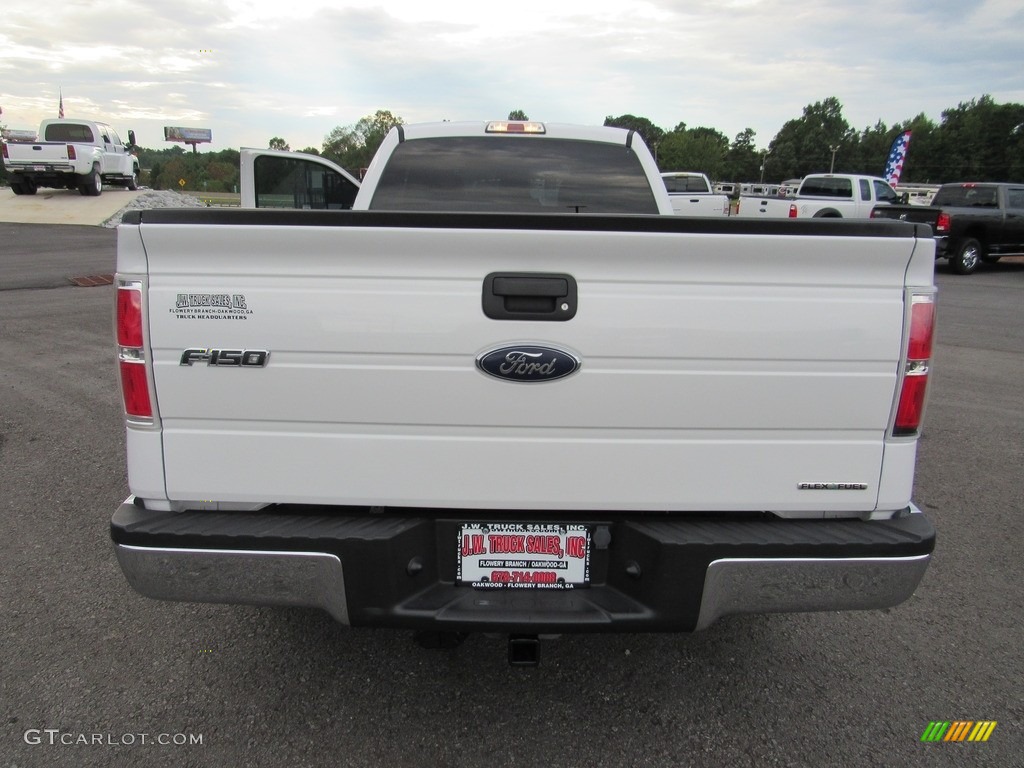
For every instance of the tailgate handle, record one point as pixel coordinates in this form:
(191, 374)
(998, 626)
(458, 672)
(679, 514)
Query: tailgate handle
(529, 296)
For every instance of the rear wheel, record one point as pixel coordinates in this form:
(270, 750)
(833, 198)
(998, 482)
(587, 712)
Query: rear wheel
(24, 187)
(92, 183)
(967, 257)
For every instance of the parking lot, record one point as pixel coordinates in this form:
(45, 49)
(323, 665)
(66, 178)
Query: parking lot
(95, 675)
(63, 206)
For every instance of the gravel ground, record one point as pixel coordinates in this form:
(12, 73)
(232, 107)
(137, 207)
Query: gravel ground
(156, 199)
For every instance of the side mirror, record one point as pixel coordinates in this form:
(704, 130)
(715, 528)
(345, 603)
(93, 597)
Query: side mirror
(131, 138)
(904, 199)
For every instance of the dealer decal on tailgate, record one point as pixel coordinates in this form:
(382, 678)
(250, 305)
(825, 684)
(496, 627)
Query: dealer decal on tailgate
(524, 556)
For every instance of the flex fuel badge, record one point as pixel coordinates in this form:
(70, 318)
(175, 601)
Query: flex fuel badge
(211, 306)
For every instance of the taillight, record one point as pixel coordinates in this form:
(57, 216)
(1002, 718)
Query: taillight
(3, 148)
(129, 316)
(71, 152)
(138, 405)
(135, 389)
(792, 210)
(942, 224)
(917, 365)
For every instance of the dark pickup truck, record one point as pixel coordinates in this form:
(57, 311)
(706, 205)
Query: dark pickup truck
(972, 222)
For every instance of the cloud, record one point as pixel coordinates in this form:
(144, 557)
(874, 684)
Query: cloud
(251, 70)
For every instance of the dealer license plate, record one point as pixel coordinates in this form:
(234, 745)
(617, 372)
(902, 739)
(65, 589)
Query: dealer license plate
(523, 556)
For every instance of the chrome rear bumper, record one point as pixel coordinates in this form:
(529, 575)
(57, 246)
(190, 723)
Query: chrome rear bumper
(650, 574)
(309, 579)
(736, 586)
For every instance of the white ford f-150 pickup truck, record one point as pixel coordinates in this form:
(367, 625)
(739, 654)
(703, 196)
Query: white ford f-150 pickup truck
(510, 392)
(72, 154)
(823, 196)
(691, 195)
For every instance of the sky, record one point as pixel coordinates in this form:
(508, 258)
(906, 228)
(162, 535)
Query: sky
(296, 69)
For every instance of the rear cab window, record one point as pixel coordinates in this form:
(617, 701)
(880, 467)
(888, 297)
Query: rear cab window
(69, 132)
(513, 174)
(967, 196)
(828, 187)
(684, 184)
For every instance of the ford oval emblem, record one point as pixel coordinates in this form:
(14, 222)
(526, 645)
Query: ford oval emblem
(528, 363)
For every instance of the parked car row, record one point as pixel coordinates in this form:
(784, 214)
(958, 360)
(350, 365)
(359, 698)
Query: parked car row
(974, 223)
(822, 196)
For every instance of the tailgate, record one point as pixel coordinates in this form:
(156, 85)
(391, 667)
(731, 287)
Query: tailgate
(721, 366)
(37, 152)
(916, 214)
(699, 205)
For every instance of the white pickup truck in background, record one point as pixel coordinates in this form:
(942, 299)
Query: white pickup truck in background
(823, 196)
(692, 195)
(509, 392)
(71, 154)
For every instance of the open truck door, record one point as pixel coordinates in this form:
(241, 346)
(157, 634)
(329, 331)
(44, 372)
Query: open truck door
(273, 178)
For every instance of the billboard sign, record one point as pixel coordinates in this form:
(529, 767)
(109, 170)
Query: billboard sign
(188, 135)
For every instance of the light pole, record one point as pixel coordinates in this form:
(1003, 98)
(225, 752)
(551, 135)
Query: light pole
(764, 156)
(832, 167)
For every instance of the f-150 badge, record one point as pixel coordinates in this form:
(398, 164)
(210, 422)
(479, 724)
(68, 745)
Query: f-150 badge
(528, 363)
(226, 358)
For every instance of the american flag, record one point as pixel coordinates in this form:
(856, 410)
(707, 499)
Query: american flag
(898, 153)
(60, 110)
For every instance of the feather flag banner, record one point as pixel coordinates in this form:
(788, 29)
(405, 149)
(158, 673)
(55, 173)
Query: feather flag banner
(897, 155)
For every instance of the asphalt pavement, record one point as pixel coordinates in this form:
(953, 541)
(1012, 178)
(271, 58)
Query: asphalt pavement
(49, 256)
(95, 675)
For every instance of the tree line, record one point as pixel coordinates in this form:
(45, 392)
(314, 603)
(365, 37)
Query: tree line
(201, 172)
(978, 140)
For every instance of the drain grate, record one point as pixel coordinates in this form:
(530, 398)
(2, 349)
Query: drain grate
(91, 281)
